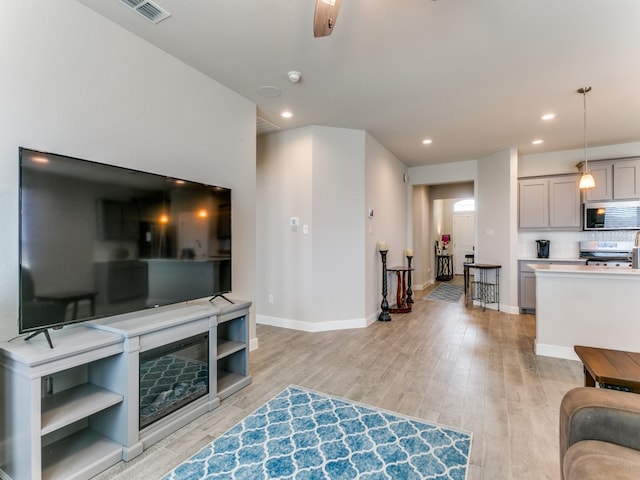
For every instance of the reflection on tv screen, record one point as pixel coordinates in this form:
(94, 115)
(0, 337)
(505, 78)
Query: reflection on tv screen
(98, 240)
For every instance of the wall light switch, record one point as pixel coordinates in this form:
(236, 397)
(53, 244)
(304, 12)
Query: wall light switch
(295, 221)
(305, 229)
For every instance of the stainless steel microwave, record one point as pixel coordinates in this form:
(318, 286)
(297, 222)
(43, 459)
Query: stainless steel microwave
(612, 216)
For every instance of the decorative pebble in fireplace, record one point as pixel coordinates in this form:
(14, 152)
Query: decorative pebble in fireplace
(172, 376)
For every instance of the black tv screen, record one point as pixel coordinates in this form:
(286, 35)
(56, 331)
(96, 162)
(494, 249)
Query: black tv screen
(98, 240)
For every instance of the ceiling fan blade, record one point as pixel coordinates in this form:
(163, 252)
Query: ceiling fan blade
(325, 17)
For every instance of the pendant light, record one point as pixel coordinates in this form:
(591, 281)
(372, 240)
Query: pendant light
(586, 180)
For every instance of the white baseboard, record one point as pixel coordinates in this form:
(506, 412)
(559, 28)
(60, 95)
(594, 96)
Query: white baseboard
(510, 309)
(503, 308)
(556, 351)
(315, 326)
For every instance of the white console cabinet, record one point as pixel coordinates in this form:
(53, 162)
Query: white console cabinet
(73, 411)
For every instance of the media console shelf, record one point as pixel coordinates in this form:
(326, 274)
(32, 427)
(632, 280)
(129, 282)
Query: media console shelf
(60, 405)
(232, 359)
(73, 411)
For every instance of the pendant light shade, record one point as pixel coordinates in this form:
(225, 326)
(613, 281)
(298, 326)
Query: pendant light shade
(586, 180)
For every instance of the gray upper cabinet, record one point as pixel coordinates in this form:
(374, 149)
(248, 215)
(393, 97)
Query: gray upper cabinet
(603, 175)
(615, 180)
(549, 203)
(626, 179)
(533, 202)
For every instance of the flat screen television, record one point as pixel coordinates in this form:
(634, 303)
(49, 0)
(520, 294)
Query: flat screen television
(98, 240)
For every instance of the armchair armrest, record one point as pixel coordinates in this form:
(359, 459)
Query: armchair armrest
(588, 413)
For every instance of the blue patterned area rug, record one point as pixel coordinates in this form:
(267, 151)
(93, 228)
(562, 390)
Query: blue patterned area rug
(446, 292)
(305, 435)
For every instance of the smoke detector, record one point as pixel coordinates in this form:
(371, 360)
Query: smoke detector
(294, 76)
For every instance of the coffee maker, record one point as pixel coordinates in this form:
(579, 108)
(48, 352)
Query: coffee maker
(543, 248)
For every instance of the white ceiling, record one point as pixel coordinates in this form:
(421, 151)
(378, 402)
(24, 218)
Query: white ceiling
(473, 75)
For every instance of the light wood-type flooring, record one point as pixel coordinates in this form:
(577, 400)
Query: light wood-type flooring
(444, 363)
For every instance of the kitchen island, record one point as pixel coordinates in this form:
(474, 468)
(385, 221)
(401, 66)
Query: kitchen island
(586, 305)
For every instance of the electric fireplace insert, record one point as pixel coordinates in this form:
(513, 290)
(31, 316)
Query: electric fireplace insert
(173, 376)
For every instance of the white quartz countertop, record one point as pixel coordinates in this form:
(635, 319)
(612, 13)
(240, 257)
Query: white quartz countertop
(584, 269)
(546, 260)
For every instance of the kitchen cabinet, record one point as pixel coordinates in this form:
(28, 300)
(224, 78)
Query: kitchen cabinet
(527, 280)
(551, 202)
(615, 179)
(119, 221)
(602, 173)
(626, 180)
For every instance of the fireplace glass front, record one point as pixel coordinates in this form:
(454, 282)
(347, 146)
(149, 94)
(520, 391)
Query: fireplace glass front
(172, 376)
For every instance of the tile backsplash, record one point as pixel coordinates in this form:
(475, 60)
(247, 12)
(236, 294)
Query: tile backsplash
(566, 244)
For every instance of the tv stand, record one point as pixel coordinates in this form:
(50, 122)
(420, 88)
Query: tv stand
(221, 296)
(75, 409)
(38, 332)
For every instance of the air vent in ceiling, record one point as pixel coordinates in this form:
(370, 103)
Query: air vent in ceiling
(262, 126)
(148, 10)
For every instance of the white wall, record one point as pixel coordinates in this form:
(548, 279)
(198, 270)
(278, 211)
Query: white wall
(76, 84)
(565, 161)
(422, 243)
(339, 216)
(386, 194)
(496, 217)
(284, 254)
(329, 178)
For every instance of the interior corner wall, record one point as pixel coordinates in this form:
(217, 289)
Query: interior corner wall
(329, 178)
(338, 224)
(311, 277)
(67, 88)
(387, 195)
(284, 253)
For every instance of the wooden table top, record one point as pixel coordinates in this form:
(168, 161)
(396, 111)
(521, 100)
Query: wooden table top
(611, 366)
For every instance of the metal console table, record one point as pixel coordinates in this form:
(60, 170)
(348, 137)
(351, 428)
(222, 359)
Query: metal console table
(486, 283)
(444, 267)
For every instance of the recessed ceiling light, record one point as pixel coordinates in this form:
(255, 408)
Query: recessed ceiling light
(537, 141)
(427, 141)
(548, 116)
(286, 114)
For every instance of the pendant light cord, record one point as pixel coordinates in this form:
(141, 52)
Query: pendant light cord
(584, 91)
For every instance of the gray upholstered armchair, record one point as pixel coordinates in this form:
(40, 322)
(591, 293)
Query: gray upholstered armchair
(599, 435)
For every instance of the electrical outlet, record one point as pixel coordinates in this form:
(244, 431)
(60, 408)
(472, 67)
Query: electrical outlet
(270, 300)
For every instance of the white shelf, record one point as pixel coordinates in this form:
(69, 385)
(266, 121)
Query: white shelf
(228, 347)
(71, 405)
(81, 455)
